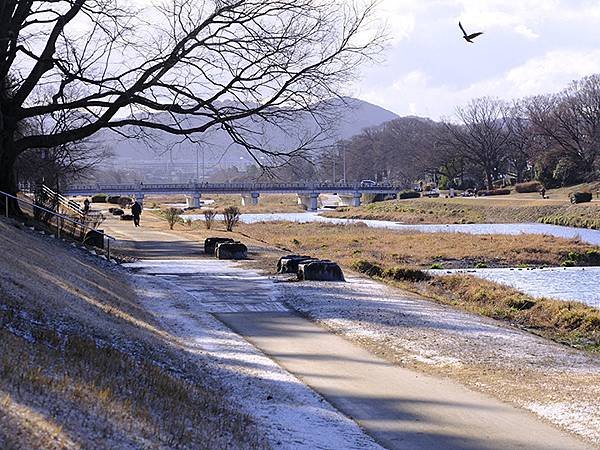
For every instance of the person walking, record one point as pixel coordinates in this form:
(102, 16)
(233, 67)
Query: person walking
(136, 211)
(86, 206)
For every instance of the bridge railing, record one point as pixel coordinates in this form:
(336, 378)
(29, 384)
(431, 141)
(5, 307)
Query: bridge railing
(227, 187)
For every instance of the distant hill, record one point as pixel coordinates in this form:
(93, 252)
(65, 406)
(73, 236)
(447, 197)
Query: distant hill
(348, 117)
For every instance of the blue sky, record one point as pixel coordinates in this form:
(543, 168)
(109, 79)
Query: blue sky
(529, 47)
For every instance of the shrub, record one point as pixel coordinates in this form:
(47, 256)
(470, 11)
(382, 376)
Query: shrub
(436, 266)
(495, 192)
(99, 198)
(580, 197)
(114, 199)
(209, 218)
(368, 268)
(231, 217)
(172, 215)
(124, 202)
(530, 186)
(408, 194)
(406, 274)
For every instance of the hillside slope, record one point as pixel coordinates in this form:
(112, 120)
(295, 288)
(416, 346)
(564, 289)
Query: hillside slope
(84, 366)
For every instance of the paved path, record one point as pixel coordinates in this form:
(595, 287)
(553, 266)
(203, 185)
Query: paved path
(401, 409)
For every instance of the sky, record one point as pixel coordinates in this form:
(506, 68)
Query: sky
(529, 47)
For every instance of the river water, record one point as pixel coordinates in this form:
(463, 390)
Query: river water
(580, 284)
(563, 283)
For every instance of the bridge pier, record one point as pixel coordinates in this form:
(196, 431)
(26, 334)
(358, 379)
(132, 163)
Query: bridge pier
(310, 201)
(251, 199)
(356, 199)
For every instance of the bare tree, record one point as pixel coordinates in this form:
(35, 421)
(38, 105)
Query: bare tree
(481, 137)
(231, 217)
(570, 121)
(95, 64)
(209, 218)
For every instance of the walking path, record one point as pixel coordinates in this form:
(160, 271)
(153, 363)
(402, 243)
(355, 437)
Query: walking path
(400, 408)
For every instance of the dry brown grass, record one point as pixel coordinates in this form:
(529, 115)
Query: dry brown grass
(346, 243)
(479, 210)
(83, 365)
(84, 396)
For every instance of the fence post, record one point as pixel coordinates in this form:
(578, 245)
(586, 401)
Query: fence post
(108, 249)
(6, 205)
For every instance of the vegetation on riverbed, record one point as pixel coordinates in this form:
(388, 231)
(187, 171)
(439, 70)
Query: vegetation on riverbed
(346, 243)
(480, 210)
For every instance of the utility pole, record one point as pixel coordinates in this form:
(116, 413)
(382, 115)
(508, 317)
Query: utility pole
(344, 150)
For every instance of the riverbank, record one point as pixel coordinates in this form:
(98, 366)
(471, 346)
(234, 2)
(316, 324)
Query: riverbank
(477, 210)
(346, 243)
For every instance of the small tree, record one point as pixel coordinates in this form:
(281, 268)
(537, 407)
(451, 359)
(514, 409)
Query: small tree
(209, 217)
(172, 215)
(231, 216)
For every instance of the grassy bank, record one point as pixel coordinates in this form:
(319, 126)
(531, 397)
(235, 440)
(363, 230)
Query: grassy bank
(345, 243)
(83, 365)
(479, 210)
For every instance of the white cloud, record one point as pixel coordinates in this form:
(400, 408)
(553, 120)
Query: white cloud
(527, 32)
(413, 92)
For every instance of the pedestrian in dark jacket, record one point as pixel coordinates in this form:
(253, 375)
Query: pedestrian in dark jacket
(136, 211)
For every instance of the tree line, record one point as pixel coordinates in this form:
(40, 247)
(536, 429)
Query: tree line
(553, 138)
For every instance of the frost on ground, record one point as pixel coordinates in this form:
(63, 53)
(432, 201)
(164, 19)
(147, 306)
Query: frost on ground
(559, 384)
(183, 296)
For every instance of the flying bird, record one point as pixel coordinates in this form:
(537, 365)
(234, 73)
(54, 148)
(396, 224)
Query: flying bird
(469, 37)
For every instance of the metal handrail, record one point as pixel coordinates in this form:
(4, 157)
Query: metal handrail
(62, 200)
(57, 215)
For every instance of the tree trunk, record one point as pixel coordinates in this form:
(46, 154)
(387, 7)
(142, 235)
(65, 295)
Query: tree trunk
(8, 180)
(489, 179)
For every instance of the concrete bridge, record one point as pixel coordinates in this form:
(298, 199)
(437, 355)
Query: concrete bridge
(308, 193)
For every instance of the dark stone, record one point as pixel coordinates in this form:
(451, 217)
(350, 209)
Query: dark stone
(126, 217)
(289, 263)
(320, 271)
(231, 250)
(210, 244)
(117, 211)
(114, 199)
(94, 238)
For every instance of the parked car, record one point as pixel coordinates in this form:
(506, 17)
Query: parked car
(368, 183)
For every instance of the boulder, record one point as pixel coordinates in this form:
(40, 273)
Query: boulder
(289, 263)
(320, 271)
(126, 217)
(117, 211)
(210, 244)
(231, 250)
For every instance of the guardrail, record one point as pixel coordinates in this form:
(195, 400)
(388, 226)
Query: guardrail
(189, 188)
(59, 220)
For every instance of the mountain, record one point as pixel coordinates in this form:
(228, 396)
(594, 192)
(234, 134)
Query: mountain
(346, 118)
